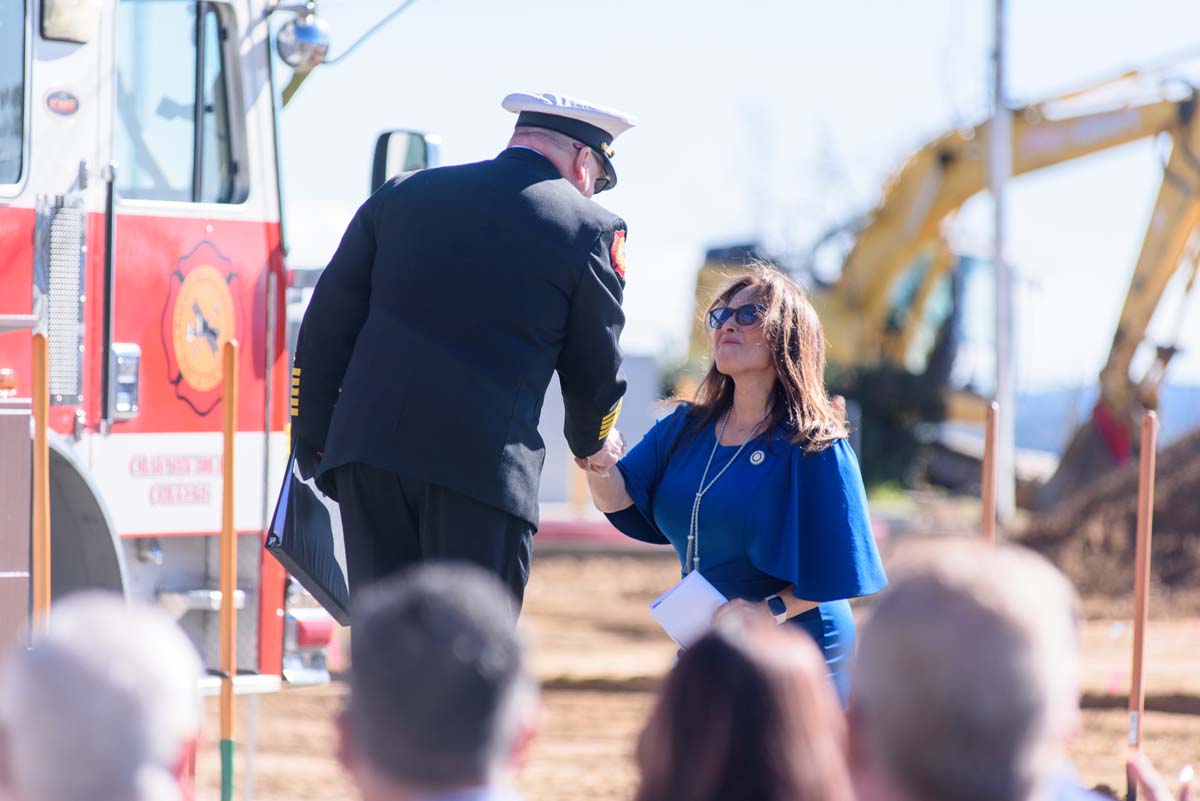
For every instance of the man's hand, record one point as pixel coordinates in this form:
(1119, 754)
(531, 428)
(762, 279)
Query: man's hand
(603, 460)
(1152, 786)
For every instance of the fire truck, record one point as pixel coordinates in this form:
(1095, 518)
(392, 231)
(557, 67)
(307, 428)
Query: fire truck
(140, 230)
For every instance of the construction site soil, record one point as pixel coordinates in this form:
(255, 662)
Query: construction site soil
(600, 658)
(1091, 535)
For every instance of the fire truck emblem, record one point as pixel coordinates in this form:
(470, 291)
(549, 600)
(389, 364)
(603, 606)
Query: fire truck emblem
(198, 319)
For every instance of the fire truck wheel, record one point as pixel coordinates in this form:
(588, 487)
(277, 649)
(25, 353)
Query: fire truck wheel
(85, 552)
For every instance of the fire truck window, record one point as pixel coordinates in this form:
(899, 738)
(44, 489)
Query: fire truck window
(216, 175)
(12, 90)
(168, 146)
(156, 62)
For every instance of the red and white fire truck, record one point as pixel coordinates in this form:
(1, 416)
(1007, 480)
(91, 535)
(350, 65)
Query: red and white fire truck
(140, 230)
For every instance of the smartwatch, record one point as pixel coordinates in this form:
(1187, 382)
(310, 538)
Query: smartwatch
(777, 608)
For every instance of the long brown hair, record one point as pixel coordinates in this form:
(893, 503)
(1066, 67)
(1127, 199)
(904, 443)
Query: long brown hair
(797, 343)
(748, 714)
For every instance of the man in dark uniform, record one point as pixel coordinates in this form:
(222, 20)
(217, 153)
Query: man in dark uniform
(431, 338)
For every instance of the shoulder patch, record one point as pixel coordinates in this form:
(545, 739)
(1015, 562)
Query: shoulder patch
(617, 253)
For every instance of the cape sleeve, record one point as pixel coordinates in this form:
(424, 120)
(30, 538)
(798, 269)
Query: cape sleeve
(642, 469)
(819, 536)
(633, 524)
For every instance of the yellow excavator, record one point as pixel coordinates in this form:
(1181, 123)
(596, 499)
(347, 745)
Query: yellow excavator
(888, 301)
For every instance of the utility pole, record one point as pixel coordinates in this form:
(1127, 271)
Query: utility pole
(1000, 163)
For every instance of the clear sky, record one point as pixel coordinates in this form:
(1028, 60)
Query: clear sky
(761, 119)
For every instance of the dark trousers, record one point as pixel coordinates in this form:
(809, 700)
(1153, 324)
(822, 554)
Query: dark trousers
(390, 522)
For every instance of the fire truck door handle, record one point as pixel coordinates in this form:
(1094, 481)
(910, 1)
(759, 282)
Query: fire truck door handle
(109, 175)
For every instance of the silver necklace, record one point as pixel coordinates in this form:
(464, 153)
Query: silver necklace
(693, 540)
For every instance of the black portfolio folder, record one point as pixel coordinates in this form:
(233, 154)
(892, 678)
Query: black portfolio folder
(306, 536)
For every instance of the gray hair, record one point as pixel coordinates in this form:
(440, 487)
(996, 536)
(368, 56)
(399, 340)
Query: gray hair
(438, 682)
(102, 706)
(966, 683)
(554, 139)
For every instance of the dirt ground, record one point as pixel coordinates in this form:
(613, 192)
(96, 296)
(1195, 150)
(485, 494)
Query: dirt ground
(1091, 535)
(600, 656)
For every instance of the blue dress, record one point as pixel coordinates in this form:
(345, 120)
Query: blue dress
(778, 516)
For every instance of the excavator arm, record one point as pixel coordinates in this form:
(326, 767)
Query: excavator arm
(1107, 438)
(1175, 218)
(934, 184)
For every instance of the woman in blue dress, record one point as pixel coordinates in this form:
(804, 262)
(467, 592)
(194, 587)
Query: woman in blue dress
(754, 483)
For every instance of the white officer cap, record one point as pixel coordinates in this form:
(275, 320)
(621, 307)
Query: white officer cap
(594, 125)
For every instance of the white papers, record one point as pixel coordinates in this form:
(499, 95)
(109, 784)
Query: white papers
(685, 611)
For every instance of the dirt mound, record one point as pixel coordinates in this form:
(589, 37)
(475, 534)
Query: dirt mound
(1091, 534)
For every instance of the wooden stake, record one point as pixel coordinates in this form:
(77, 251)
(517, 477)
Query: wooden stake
(228, 575)
(41, 483)
(1141, 584)
(988, 492)
(577, 488)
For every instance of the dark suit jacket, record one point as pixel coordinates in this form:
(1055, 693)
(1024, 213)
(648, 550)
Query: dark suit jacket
(432, 335)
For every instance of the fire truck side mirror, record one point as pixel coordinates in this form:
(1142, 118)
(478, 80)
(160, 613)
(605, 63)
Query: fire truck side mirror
(399, 152)
(70, 20)
(303, 42)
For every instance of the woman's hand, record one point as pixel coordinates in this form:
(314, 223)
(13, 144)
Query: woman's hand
(602, 461)
(739, 610)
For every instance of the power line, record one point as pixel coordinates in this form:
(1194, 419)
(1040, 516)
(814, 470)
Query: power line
(372, 31)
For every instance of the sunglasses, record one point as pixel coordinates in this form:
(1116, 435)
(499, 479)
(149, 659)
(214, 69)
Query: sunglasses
(604, 180)
(744, 316)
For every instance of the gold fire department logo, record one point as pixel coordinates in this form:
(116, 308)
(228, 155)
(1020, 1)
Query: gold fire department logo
(198, 319)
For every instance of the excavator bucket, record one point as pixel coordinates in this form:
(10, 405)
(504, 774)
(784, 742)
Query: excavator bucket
(1086, 458)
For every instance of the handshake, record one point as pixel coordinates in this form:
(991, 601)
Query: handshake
(602, 461)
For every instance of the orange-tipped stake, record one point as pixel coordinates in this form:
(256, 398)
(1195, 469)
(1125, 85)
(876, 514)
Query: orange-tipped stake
(1141, 584)
(228, 574)
(988, 493)
(41, 483)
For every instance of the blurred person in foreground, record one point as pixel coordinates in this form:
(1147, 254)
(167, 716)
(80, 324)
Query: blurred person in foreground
(747, 714)
(754, 483)
(966, 682)
(104, 706)
(441, 705)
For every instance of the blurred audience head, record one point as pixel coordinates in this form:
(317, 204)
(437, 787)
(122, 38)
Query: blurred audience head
(966, 677)
(103, 706)
(748, 714)
(440, 694)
